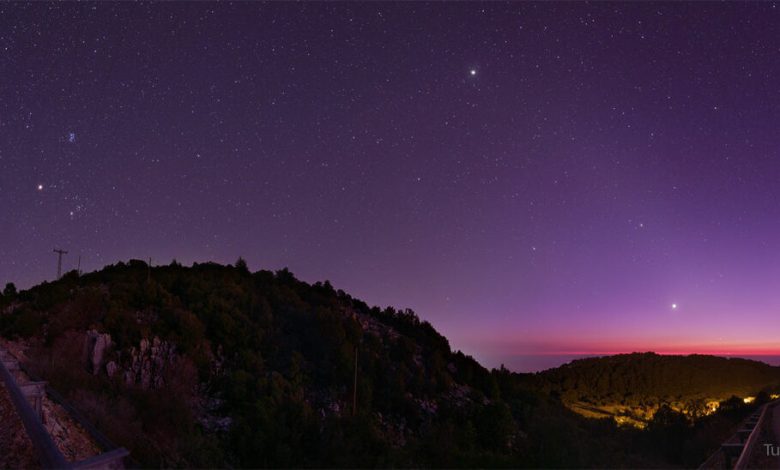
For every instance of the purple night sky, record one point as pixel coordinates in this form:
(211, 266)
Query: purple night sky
(532, 178)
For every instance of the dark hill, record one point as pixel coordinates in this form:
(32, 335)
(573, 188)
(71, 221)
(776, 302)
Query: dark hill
(652, 375)
(213, 366)
(638, 384)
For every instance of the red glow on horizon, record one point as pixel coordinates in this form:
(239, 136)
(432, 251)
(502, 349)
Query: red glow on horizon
(663, 353)
(669, 346)
(735, 351)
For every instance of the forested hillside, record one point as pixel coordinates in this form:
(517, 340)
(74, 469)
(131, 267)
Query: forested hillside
(641, 376)
(635, 385)
(210, 366)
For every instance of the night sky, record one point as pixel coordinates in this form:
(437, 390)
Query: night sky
(548, 178)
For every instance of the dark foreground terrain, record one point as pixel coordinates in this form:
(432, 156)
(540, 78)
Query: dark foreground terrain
(211, 365)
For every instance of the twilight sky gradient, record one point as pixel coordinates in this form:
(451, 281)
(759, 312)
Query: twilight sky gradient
(531, 178)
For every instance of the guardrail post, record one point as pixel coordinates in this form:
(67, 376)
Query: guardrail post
(34, 392)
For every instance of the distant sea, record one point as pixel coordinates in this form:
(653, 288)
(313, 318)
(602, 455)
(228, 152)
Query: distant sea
(536, 363)
(771, 360)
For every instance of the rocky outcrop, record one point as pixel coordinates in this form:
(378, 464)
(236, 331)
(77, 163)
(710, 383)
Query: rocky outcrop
(371, 325)
(146, 366)
(95, 348)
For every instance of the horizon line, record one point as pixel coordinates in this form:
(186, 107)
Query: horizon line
(662, 353)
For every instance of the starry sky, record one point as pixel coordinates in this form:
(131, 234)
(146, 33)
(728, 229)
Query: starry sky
(535, 179)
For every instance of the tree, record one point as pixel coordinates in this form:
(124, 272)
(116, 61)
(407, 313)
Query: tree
(241, 265)
(669, 429)
(10, 290)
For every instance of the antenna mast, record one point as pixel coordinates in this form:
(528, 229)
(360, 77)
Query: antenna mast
(59, 261)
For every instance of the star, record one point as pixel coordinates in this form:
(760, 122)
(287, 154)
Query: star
(674, 306)
(40, 187)
(473, 72)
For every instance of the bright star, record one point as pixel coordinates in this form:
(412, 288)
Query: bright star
(473, 72)
(40, 187)
(674, 306)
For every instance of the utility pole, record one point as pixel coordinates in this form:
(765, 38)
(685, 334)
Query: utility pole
(59, 261)
(354, 388)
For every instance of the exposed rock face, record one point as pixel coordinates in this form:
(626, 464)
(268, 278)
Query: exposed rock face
(95, 347)
(371, 325)
(214, 423)
(111, 368)
(147, 364)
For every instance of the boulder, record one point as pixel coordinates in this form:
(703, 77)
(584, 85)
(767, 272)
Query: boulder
(111, 368)
(96, 345)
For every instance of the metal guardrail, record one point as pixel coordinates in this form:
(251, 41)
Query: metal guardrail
(48, 453)
(740, 445)
(747, 451)
(100, 439)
